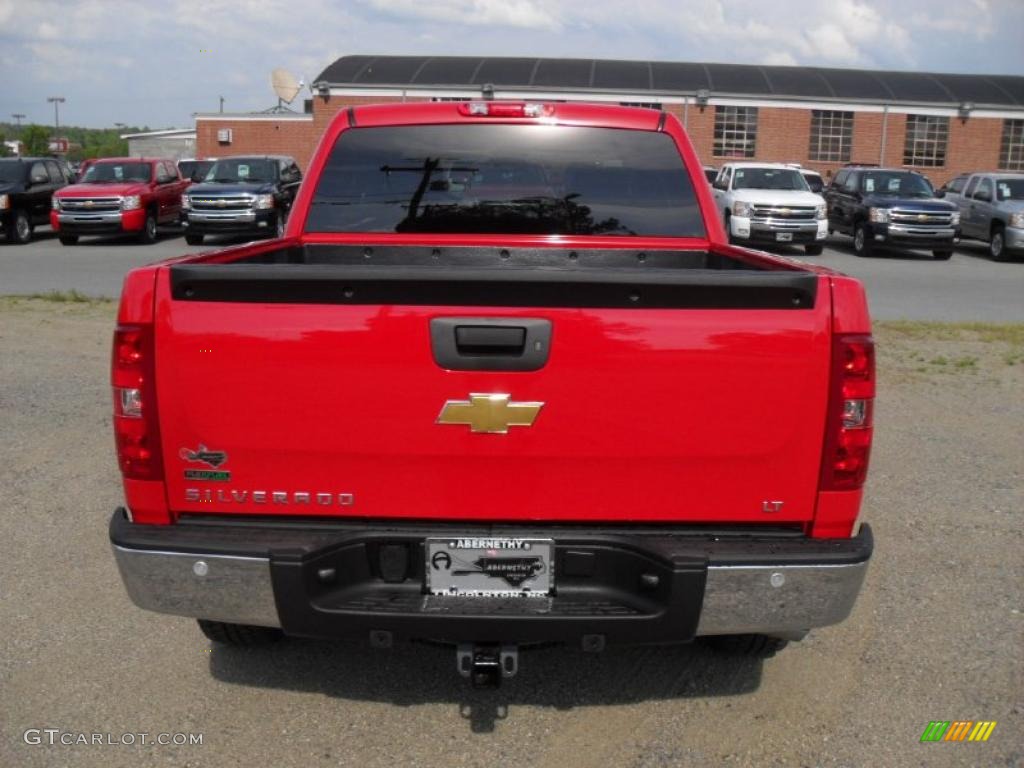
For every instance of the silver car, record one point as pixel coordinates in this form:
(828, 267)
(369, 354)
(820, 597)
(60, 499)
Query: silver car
(992, 210)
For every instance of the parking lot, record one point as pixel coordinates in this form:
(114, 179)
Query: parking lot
(936, 633)
(968, 288)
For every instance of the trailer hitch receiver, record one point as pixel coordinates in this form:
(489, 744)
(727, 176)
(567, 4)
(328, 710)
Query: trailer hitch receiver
(485, 664)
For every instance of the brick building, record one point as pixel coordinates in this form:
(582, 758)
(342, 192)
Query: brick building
(940, 124)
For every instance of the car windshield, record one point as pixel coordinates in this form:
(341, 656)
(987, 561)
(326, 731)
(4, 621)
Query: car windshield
(1010, 189)
(241, 170)
(506, 179)
(895, 183)
(11, 170)
(814, 181)
(769, 178)
(117, 173)
(194, 169)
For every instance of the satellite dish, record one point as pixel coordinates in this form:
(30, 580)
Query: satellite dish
(285, 85)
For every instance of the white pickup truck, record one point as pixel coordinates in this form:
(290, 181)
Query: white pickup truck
(770, 203)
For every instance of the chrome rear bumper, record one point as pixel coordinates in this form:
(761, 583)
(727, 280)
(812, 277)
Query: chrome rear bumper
(783, 596)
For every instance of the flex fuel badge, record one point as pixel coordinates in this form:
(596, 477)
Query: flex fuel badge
(213, 475)
(203, 455)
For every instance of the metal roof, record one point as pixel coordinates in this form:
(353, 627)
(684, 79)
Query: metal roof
(663, 77)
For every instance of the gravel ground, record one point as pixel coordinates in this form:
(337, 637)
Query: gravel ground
(937, 633)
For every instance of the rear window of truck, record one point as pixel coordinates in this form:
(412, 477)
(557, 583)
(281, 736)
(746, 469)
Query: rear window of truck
(506, 179)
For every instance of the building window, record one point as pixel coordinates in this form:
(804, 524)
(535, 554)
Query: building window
(735, 131)
(1011, 154)
(449, 98)
(927, 136)
(831, 136)
(641, 104)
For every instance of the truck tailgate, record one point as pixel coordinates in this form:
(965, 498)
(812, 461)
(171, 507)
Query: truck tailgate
(655, 413)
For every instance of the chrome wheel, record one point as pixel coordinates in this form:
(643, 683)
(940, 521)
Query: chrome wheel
(996, 246)
(22, 228)
(858, 240)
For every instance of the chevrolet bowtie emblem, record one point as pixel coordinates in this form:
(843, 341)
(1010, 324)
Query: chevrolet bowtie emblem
(492, 414)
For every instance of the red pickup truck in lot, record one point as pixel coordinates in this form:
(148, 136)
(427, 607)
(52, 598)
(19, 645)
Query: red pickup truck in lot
(503, 382)
(119, 196)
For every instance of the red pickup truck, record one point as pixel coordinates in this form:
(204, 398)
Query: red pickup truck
(502, 382)
(120, 195)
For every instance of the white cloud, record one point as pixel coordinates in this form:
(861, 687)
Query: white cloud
(779, 58)
(498, 13)
(142, 60)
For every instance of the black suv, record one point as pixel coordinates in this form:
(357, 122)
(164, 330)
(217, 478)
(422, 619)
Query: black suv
(891, 208)
(27, 185)
(248, 195)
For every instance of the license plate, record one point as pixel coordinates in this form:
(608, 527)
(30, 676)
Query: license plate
(490, 567)
(784, 237)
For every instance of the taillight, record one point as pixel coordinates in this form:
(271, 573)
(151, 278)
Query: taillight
(848, 426)
(504, 109)
(136, 430)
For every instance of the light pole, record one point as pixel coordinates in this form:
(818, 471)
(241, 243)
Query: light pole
(56, 101)
(18, 117)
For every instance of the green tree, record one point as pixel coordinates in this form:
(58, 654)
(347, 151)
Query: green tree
(36, 140)
(3, 147)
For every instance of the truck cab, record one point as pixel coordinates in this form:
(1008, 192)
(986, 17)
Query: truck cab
(130, 196)
(502, 382)
(770, 204)
(27, 186)
(992, 210)
(242, 195)
(891, 208)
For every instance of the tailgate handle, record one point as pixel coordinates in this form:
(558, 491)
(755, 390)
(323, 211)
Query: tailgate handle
(489, 339)
(490, 343)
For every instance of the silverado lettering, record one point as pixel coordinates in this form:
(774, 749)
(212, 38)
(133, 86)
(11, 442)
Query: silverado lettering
(225, 495)
(698, 468)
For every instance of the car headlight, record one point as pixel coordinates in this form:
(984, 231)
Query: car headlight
(5, 202)
(186, 203)
(879, 215)
(820, 212)
(130, 202)
(1017, 219)
(263, 202)
(54, 203)
(955, 220)
(740, 208)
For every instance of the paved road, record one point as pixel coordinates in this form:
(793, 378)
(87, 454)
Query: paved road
(969, 287)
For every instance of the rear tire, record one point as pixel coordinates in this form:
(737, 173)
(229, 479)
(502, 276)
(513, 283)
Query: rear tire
(68, 239)
(997, 245)
(942, 255)
(242, 635)
(194, 239)
(20, 230)
(750, 646)
(814, 250)
(148, 234)
(861, 241)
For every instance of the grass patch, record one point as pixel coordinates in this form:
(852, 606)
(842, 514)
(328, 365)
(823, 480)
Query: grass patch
(67, 297)
(55, 297)
(1007, 333)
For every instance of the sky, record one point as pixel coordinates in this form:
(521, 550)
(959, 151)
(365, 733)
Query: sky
(155, 63)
